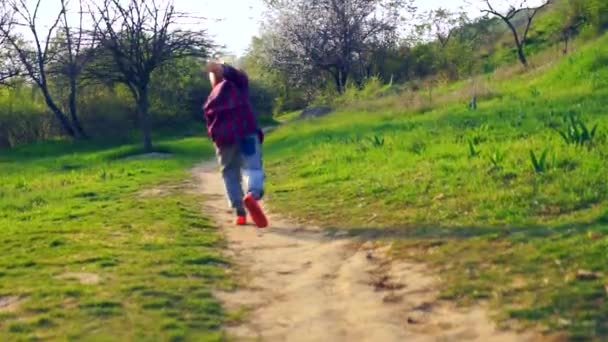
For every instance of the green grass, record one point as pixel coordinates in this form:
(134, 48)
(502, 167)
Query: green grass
(267, 121)
(458, 189)
(287, 117)
(69, 211)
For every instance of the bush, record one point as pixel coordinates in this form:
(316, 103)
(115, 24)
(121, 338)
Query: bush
(106, 112)
(262, 99)
(23, 118)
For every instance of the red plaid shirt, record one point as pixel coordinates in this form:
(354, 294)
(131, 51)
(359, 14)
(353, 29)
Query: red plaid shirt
(228, 112)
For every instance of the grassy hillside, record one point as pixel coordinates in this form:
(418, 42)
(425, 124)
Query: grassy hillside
(508, 209)
(98, 247)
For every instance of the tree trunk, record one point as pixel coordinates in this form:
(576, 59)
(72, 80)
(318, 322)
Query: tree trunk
(144, 119)
(522, 55)
(343, 79)
(337, 81)
(63, 120)
(519, 43)
(74, 111)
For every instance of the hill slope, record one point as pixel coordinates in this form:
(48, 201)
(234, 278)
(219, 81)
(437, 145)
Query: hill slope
(495, 197)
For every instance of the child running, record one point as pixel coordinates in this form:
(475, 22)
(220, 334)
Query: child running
(233, 127)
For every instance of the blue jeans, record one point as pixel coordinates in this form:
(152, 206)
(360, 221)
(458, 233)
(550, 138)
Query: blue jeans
(242, 161)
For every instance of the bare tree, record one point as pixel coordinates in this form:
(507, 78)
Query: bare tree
(36, 54)
(8, 69)
(5, 21)
(75, 47)
(331, 35)
(514, 12)
(140, 37)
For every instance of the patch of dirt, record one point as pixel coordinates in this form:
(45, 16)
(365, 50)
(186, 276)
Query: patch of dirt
(315, 112)
(9, 303)
(301, 284)
(154, 155)
(166, 190)
(83, 277)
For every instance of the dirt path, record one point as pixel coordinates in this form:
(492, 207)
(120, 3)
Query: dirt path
(300, 285)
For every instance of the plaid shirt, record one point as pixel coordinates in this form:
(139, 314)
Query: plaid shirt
(228, 112)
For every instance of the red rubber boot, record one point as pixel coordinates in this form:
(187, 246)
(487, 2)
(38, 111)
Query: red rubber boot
(255, 211)
(241, 217)
(241, 221)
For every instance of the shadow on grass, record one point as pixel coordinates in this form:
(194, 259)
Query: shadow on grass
(169, 143)
(428, 232)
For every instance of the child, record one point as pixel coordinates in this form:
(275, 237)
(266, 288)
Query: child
(233, 127)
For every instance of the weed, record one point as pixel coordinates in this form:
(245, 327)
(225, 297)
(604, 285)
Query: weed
(535, 92)
(577, 132)
(497, 158)
(473, 151)
(377, 141)
(540, 163)
(480, 134)
(417, 147)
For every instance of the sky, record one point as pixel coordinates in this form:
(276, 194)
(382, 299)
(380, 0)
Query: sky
(232, 23)
(241, 18)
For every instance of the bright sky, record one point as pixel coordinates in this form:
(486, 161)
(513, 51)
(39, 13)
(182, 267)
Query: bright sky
(241, 18)
(232, 23)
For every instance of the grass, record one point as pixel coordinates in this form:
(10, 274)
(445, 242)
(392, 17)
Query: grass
(459, 189)
(287, 117)
(98, 247)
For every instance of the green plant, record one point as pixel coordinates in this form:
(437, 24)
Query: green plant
(417, 147)
(577, 132)
(534, 92)
(377, 141)
(473, 151)
(598, 80)
(496, 158)
(480, 134)
(540, 163)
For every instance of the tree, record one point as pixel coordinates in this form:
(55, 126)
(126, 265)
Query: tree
(8, 69)
(75, 49)
(445, 31)
(139, 37)
(333, 36)
(596, 14)
(441, 24)
(472, 38)
(514, 13)
(35, 56)
(572, 19)
(291, 91)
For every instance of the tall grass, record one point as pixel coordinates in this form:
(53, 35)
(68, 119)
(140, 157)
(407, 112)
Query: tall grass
(23, 117)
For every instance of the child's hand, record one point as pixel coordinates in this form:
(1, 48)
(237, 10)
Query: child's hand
(216, 68)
